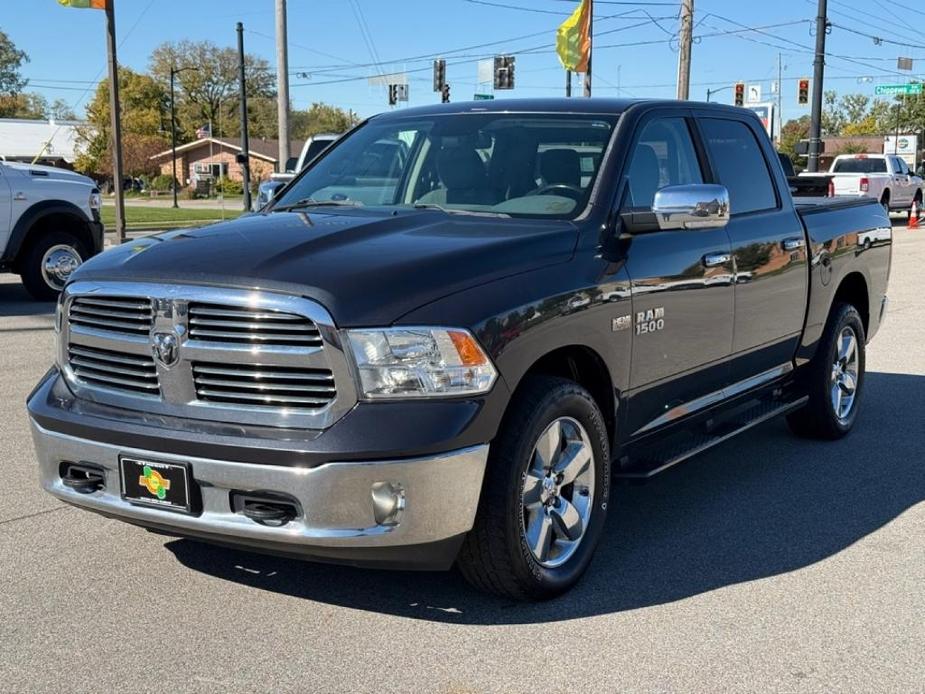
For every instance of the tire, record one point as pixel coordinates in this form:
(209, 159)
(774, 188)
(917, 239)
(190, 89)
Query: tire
(496, 556)
(826, 382)
(45, 283)
(885, 202)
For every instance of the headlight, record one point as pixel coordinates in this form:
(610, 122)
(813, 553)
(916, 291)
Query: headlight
(96, 201)
(420, 362)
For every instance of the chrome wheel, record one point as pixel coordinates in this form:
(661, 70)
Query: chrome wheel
(57, 265)
(844, 383)
(558, 491)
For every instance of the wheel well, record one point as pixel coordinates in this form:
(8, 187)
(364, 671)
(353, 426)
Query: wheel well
(586, 367)
(886, 195)
(853, 290)
(54, 221)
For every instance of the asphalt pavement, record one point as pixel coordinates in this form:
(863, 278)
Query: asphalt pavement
(767, 564)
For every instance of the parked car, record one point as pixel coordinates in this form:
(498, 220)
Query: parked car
(456, 371)
(49, 224)
(806, 185)
(882, 177)
(313, 146)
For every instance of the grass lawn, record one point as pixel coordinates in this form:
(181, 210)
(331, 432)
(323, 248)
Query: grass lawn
(164, 217)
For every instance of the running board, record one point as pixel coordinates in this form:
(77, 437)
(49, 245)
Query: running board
(661, 458)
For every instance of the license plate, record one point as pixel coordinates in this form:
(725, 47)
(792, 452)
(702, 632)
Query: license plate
(163, 485)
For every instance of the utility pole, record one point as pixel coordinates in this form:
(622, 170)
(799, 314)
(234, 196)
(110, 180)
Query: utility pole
(282, 79)
(815, 126)
(244, 157)
(780, 98)
(568, 82)
(116, 119)
(590, 46)
(685, 40)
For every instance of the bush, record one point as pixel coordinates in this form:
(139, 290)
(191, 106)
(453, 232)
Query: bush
(229, 187)
(162, 182)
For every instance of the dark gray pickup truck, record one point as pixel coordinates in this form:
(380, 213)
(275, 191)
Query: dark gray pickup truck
(446, 356)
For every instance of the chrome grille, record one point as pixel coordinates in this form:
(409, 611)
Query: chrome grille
(125, 315)
(242, 324)
(258, 384)
(114, 370)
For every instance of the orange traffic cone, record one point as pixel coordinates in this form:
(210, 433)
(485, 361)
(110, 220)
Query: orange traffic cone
(914, 216)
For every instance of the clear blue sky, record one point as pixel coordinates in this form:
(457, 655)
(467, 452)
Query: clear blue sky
(67, 48)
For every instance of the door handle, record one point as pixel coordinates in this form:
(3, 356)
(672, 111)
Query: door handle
(793, 244)
(716, 259)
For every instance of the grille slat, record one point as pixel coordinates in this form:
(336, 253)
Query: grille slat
(114, 370)
(117, 315)
(236, 325)
(264, 385)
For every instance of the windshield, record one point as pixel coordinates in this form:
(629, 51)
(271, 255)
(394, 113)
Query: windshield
(507, 164)
(861, 165)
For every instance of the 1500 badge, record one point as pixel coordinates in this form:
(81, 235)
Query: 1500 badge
(650, 321)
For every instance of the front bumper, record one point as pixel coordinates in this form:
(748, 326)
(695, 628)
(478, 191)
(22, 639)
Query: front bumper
(338, 520)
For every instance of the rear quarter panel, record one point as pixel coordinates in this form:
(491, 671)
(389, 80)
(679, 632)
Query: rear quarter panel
(845, 238)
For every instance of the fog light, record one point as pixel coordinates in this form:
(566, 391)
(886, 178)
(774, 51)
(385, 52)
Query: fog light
(388, 502)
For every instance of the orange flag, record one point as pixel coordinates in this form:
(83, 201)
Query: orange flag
(85, 4)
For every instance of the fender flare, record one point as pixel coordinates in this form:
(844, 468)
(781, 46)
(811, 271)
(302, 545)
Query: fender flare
(33, 215)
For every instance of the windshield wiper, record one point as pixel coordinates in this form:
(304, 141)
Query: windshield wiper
(450, 210)
(311, 202)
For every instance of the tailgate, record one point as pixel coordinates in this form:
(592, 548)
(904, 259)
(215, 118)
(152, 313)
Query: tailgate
(847, 184)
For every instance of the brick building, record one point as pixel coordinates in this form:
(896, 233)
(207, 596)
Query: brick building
(210, 158)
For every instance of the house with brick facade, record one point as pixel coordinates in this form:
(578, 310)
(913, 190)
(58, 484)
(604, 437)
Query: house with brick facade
(211, 158)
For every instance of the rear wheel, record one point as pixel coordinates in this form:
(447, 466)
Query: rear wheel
(834, 379)
(545, 495)
(49, 263)
(885, 201)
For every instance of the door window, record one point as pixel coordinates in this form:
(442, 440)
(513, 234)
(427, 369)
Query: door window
(739, 165)
(663, 156)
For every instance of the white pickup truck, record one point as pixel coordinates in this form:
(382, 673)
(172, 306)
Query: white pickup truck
(313, 146)
(883, 177)
(49, 224)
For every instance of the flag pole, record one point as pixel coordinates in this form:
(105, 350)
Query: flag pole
(590, 46)
(115, 118)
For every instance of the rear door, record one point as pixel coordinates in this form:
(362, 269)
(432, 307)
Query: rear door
(682, 290)
(903, 188)
(768, 247)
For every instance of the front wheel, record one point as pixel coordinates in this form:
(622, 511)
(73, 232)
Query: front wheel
(834, 379)
(49, 263)
(544, 500)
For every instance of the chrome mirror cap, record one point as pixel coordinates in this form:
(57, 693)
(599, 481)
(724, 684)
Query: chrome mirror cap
(695, 206)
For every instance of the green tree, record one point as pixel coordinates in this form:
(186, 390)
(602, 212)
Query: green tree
(209, 93)
(792, 133)
(144, 104)
(61, 110)
(29, 105)
(11, 60)
(321, 118)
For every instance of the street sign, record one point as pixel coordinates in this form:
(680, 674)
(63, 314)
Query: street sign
(483, 97)
(753, 95)
(766, 113)
(907, 89)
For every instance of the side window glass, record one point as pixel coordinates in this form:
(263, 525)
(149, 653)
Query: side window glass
(739, 165)
(663, 156)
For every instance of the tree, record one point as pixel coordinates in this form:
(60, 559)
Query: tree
(833, 115)
(11, 60)
(61, 110)
(144, 104)
(792, 133)
(321, 118)
(209, 94)
(29, 105)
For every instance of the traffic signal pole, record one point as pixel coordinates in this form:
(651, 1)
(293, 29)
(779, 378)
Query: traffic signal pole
(245, 142)
(116, 119)
(815, 126)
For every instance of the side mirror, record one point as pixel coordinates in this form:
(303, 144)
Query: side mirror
(272, 188)
(291, 164)
(695, 206)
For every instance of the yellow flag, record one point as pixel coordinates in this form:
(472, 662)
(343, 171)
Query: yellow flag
(573, 39)
(85, 4)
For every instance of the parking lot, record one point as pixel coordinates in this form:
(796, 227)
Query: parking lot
(770, 563)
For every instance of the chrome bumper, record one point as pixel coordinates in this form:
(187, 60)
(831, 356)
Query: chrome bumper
(440, 496)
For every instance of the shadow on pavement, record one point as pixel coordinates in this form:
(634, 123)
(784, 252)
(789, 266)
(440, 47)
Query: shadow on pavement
(15, 301)
(761, 505)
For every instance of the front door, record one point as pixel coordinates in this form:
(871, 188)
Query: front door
(6, 205)
(682, 289)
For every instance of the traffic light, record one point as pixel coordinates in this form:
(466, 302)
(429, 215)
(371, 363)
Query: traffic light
(445, 93)
(739, 93)
(393, 94)
(439, 74)
(803, 91)
(504, 72)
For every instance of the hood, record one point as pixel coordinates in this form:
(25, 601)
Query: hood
(50, 172)
(366, 267)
